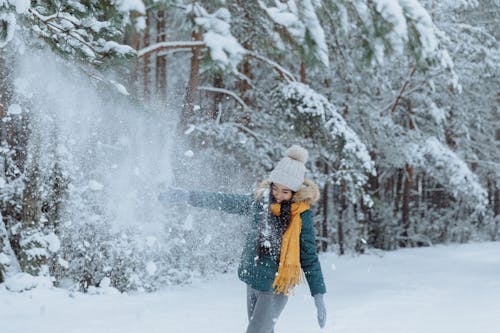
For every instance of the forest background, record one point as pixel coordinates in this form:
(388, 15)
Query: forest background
(104, 103)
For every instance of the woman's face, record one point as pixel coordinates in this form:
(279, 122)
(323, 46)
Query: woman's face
(281, 193)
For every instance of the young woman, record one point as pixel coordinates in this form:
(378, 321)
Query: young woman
(280, 246)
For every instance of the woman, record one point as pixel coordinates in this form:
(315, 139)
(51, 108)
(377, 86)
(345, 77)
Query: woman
(280, 241)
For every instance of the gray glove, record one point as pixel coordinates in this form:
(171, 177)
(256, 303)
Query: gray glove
(173, 195)
(320, 307)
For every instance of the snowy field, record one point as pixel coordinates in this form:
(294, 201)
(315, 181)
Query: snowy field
(451, 289)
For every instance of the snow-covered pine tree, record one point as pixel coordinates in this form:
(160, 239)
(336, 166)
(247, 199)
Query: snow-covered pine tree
(298, 29)
(9, 264)
(88, 33)
(396, 107)
(470, 111)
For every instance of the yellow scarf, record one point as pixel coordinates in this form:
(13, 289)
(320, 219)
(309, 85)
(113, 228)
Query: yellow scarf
(289, 272)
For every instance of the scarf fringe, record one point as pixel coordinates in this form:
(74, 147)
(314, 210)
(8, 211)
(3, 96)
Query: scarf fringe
(287, 278)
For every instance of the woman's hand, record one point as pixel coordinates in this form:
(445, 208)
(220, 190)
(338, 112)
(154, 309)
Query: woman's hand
(321, 309)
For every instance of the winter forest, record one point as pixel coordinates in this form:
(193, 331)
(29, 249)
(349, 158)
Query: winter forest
(103, 104)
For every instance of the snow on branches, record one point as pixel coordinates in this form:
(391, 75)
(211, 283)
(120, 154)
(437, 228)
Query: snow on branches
(450, 170)
(8, 21)
(393, 25)
(313, 113)
(225, 50)
(300, 21)
(86, 30)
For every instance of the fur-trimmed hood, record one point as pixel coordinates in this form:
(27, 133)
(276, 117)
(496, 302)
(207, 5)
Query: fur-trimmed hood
(308, 193)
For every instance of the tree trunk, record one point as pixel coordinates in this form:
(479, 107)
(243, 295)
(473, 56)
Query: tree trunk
(161, 59)
(374, 190)
(399, 185)
(135, 72)
(423, 196)
(324, 204)
(245, 87)
(2, 111)
(249, 36)
(303, 78)
(418, 188)
(147, 61)
(217, 96)
(406, 206)
(496, 209)
(243, 84)
(389, 189)
(496, 200)
(342, 212)
(194, 78)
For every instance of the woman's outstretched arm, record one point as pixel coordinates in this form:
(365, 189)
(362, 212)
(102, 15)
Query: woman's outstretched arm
(240, 204)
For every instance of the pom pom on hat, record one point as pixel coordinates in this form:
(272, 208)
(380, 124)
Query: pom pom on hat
(297, 153)
(291, 169)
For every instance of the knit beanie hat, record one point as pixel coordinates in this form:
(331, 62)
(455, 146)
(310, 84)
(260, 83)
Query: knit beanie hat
(290, 169)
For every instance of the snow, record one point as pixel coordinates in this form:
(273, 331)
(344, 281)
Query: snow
(53, 242)
(151, 240)
(95, 185)
(96, 25)
(465, 4)
(103, 289)
(299, 19)
(120, 88)
(4, 260)
(423, 24)
(316, 32)
(63, 262)
(188, 223)
(9, 20)
(437, 113)
(283, 16)
(308, 101)
(393, 13)
(444, 289)
(23, 282)
(15, 109)
(224, 48)
(450, 169)
(151, 268)
(20, 5)
(131, 5)
(208, 239)
(118, 48)
(169, 45)
(402, 18)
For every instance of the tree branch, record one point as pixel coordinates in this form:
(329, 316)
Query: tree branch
(285, 74)
(46, 20)
(394, 106)
(187, 45)
(227, 92)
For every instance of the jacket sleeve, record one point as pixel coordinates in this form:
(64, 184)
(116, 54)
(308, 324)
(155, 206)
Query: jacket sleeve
(230, 203)
(309, 260)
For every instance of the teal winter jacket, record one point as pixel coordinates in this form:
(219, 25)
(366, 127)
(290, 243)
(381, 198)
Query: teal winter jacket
(257, 272)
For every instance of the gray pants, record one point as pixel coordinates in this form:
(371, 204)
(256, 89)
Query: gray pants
(264, 308)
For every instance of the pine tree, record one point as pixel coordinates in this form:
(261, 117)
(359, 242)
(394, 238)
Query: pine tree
(86, 33)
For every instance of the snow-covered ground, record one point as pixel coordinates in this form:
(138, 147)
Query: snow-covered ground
(453, 288)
